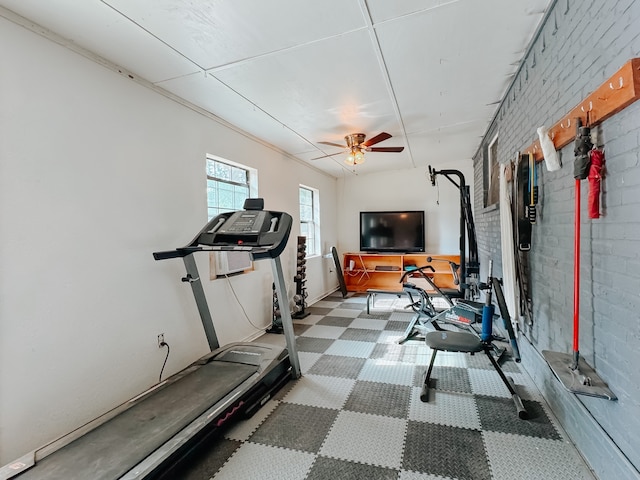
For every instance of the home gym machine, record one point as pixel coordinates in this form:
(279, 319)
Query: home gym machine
(469, 342)
(467, 232)
(153, 435)
(461, 313)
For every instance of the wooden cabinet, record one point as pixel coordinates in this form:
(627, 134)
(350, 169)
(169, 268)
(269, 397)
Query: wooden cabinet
(363, 271)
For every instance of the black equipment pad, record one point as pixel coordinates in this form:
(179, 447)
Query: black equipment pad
(453, 341)
(134, 434)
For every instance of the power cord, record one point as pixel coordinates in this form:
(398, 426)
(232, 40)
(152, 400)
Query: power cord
(164, 344)
(243, 310)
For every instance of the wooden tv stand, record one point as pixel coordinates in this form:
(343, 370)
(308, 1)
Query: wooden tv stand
(383, 271)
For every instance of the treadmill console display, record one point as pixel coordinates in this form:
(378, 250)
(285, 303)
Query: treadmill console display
(247, 222)
(262, 233)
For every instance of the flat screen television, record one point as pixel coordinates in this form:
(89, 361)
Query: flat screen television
(396, 232)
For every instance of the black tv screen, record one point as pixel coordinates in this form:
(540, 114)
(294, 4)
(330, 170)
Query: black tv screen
(392, 231)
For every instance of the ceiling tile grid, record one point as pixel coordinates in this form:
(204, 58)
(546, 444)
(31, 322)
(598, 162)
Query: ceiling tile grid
(293, 73)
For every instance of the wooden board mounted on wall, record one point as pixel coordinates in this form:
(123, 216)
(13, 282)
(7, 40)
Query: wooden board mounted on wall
(618, 92)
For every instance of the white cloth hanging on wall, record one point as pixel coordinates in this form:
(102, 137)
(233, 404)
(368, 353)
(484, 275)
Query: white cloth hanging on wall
(551, 158)
(509, 285)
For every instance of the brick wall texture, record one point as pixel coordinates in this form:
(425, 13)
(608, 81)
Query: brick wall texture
(580, 45)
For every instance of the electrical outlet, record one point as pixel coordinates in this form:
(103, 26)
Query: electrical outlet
(160, 340)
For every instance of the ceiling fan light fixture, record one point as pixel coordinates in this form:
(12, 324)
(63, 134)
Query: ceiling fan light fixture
(356, 146)
(355, 157)
(351, 159)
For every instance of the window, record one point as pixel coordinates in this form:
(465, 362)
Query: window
(492, 174)
(228, 185)
(310, 219)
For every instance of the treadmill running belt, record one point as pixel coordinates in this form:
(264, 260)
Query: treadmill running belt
(135, 433)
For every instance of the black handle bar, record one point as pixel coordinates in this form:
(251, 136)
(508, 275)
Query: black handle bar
(416, 270)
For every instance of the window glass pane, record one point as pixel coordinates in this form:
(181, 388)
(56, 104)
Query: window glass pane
(238, 175)
(227, 187)
(239, 196)
(309, 221)
(225, 197)
(212, 192)
(306, 213)
(222, 171)
(305, 196)
(493, 195)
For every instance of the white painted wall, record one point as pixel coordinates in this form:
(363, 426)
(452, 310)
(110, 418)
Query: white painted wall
(96, 173)
(405, 190)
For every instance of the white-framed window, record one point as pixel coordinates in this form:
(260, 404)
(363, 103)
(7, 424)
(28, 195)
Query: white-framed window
(310, 219)
(492, 169)
(229, 184)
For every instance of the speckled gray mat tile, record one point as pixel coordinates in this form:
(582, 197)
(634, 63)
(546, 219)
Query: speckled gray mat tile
(356, 413)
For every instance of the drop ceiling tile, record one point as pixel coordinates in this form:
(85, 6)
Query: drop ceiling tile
(220, 32)
(296, 72)
(436, 69)
(447, 145)
(94, 26)
(208, 93)
(323, 90)
(383, 10)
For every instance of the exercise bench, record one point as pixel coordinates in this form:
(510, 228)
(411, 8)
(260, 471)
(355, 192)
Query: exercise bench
(467, 342)
(372, 292)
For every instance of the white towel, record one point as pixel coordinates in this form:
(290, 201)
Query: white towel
(551, 158)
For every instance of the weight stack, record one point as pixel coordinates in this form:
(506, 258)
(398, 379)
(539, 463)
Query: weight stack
(300, 279)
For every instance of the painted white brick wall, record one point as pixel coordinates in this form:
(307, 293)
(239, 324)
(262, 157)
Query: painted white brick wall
(581, 45)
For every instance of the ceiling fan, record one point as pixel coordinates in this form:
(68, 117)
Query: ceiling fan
(356, 146)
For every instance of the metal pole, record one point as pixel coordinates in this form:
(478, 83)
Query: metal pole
(285, 314)
(576, 280)
(193, 277)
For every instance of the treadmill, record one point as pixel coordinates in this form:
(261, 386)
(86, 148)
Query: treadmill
(153, 434)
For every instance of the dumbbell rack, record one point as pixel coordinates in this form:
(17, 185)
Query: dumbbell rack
(276, 321)
(299, 307)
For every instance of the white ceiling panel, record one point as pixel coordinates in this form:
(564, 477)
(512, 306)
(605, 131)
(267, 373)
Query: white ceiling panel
(446, 144)
(383, 10)
(322, 90)
(439, 64)
(96, 27)
(221, 32)
(208, 93)
(297, 72)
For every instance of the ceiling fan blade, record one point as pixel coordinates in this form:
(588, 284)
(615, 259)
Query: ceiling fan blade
(377, 139)
(385, 149)
(333, 144)
(325, 156)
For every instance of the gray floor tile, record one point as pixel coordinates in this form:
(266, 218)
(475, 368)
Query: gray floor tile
(338, 366)
(446, 451)
(356, 413)
(379, 399)
(294, 426)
